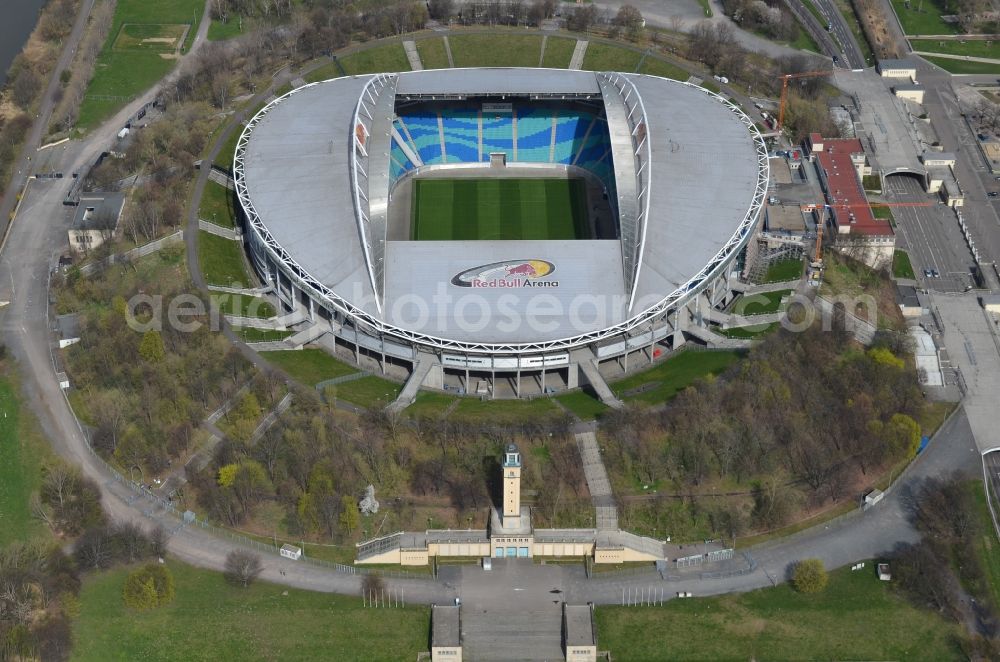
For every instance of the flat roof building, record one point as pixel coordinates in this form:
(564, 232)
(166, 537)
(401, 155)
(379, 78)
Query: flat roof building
(579, 635)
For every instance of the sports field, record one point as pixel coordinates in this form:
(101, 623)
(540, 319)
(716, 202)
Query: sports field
(506, 209)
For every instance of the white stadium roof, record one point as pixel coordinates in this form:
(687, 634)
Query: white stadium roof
(702, 175)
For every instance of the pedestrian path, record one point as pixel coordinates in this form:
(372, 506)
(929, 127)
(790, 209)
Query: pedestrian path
(576, 62)
(597, 482)
(412, 55)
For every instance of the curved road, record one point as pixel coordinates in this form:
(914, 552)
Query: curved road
(39, 234)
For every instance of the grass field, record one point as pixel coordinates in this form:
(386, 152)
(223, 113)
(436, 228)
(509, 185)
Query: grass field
(504, 411)
(154, 37)
(219, 31)
(856, 618)
(221, 260)
(370, 391)
(227, 151)
(383, 58)
(309, 366)
(122, 73)
(655, 67)
(218, 205)
(23, 450)
(783, 270)
(210, 620)
(963, 66)
(761, 304)
(248, 334)
(603, 57)
(456, 209)
(923, 17)
(747, 332)
(432, 53)
(975, 48)
(243, 306)
(664, 381)
(901, 267)
(558, 52)
(499, 50)
(583, 404)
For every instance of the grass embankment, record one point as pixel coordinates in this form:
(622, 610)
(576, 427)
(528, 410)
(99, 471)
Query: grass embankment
(23, 449)
(210, 620)
(432, 53)
(141, 48)
(218, 205)
(309, 366)
(499, 50)
(761, 304)
(975, 47)
(901, 267)
(747, 332)
(857, 617)
(243, 306)
(583, 404)
(221, 260)
(662, 382)
(783, 270)
(248, 334)
(227, 150)
(558, 52)
(605, 57)
(390, 57)
(963, 66)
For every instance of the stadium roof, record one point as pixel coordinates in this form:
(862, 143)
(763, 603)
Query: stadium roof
(704, 182)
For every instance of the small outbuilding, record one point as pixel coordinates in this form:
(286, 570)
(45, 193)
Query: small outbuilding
(579, 633)
(291, 552)
(884, 574)
(446, 633)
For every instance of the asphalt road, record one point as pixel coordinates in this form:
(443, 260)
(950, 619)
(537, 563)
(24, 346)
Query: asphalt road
(851, 51)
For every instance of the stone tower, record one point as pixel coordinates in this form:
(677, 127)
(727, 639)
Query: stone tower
(511, 487)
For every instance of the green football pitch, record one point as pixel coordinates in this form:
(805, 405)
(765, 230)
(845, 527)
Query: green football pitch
(455, 209)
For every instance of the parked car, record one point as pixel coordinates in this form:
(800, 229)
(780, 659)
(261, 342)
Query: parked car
(992, 194)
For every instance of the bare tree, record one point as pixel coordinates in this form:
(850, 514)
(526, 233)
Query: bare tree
(242, 567)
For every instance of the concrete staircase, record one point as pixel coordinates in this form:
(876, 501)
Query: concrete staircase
(597, 382)
(306, 335)
(716, 341)
(409, 391)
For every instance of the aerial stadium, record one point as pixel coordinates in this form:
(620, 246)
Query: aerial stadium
(503, 232)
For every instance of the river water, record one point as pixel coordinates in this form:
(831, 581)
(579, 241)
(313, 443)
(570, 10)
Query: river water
(17, 20)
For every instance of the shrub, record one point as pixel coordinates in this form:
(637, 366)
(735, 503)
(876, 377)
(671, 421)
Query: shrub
(148, 587)
(810, 576)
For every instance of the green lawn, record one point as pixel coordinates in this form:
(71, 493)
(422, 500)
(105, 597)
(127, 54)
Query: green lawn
(783, 270)
(326, 72)
(221, 260)
(391, 57)
(962, 66)
(218, 31)
(210, 620)
(747, 332)
(901, 267)
(975, 48)
(370, 391)
(430, 405)
(583, 404)
(120, 74)
(154, 37)
(673, 375)
(558, 52)
(657, 67)
(499, 50)
(243, 306)
(228, 149)
(23, 450)
(760, 304)
(987, 545)
(604, 57)
(218, 205)
(923, 17)
(248, 334)
(501, 411)
(308, 366)
(857, 617)
(805, 42)
(432, 53)
(506, 209)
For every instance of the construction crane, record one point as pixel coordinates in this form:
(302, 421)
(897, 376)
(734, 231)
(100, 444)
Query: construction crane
(784, 91)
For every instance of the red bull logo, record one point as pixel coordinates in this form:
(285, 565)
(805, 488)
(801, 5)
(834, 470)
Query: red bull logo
(510, 273)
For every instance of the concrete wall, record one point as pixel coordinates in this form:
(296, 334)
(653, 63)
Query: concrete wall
(459, 549)
(623, 555)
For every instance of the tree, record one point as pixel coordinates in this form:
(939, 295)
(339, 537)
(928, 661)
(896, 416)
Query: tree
(349, 515)
(149, 587)
(372, 584)
(809, 576)
(629, 19)
(441, 10)
(582, 18)
(242, 567)
(151, 347)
